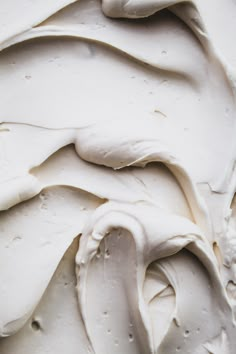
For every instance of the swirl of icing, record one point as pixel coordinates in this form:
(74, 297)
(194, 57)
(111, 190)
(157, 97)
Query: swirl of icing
(111, 163)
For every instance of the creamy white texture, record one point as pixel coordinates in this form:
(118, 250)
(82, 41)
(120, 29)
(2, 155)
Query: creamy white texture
(117, 144)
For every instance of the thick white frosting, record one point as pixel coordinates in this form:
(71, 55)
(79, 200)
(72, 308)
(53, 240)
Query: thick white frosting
(117, 180)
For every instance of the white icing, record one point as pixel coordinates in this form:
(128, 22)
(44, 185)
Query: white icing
(117, 126)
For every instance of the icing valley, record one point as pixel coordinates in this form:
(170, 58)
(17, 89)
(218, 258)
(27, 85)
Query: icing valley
(117, 177)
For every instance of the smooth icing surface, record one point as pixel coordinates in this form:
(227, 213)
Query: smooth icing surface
(117, 179)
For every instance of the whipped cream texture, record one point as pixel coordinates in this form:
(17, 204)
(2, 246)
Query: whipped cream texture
(117, 178)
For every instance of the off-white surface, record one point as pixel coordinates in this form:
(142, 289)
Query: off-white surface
(117, 177)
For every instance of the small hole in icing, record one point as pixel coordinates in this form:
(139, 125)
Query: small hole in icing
(35, 325)
(186, 333)
(107, 253)
(131, 337)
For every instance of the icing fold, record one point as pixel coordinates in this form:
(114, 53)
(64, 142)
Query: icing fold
(117, 179)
